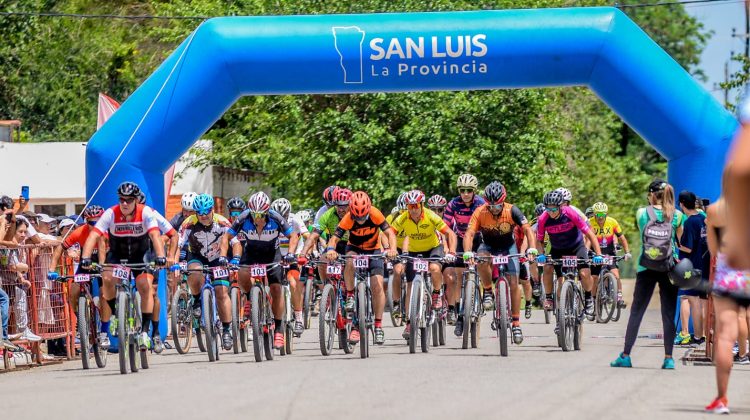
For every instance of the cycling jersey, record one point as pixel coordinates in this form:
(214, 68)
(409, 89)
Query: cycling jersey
(165, 226)
(423, 235)
(565, 232)
(497, 231)
(203, 242)
(364, 236)
(321, 211)
(177, 220)
(260, 247)
(327, 224)
(606, 233)
(128, 239)
(400, 235)
(299, 227)
(457, 214)
(77, 238)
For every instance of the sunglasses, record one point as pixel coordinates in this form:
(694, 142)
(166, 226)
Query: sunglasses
(552, 209)
(465, 190)
(601, 215)
(258, 215)
(235, 213)
(205, 213)
(496, 206)
(362, 219)
(413, 206)
(342, 206)
(438, 209)
(127, 200)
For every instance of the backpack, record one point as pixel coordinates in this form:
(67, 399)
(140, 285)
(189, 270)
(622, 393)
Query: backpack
(658, 253)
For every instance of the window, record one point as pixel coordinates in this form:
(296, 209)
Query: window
(79, 208)
(53, 210)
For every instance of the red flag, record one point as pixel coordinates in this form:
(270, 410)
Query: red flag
(107, 107)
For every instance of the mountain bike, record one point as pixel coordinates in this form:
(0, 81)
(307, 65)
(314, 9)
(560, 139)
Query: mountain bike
(362, 316)
(570, 311)
(502, 317)
(606, 307)
(308, 278)
(181, 314)
(469, 306)
(421, 314)
(261, 316)
(287, 319)
(398, 316)
(240, 315)
(89, 319)
(210, 324)
(331, 318)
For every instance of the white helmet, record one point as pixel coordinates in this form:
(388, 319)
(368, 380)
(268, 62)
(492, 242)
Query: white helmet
(282, 206)
(566, 195)
(259, 202)
(304, 215)
(467, 181)
(187, 200)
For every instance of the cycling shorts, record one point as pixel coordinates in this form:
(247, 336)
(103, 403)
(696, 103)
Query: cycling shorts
(437, 252)
(580, 251)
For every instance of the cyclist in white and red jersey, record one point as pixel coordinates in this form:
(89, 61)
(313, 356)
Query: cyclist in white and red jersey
(133, 235)
(566, 230)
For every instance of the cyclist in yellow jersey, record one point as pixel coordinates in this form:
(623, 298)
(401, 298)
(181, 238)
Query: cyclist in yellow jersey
(420, 227)
(607, 229)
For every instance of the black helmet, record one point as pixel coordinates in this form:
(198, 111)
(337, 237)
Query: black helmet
(236, 203)
(684, 276)
(553, 198)
(128, 189)
(539, 209)
(495, 192)
(141, 197)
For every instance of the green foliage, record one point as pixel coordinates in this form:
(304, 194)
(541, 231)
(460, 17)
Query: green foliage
(739, 79)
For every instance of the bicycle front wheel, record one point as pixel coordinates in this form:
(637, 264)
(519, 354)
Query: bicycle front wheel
(308, 302)
(255, 319)
(123, 338)
(327, 320)
(182, 321)
(501, 316)
(467, 306)
(415, 311)
(84, 326)
(207, 311)
(568, 315)
(364, 330)
(236, 314)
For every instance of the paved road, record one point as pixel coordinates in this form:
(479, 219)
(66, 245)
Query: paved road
(536, 381)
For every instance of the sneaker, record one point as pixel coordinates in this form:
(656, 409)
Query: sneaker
(437, 302)
(452, 317)
(407, 332)
(226, 340)
(668, 363)
(354, 336)
(527, 313)
(620, 301)
(30, 336)
(459, 330)
(379, 336)
(744, 360)
(104, 340)
(680, 337)
(7, 344)
(589, 306)
(736, 348)
(623, 361)
(278, 340)
(144, 341)
(517, 334)
(488, 301)
(718, 406)
(697, 342)
(158, 344)
(349, 306)
(298, 328)
(548, 304)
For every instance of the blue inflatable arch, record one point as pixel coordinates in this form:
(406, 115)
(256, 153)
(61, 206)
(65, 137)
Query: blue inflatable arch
(226, 58)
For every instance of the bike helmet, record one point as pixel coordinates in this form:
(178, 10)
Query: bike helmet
(282, 206)
(187, 200)
(467, 181)
(437, 201)
(684, 276)
(400, 203)
(566, 195)
(328, 194)
(395, 210)
(236, 203)
(414, 197)
(304, 215)
(539, 209)
(259, 202)
(495, 193)
(92, 212)
(553, 198)
(342, 196)
(203, 204)
(141, 198)
(128, 189)
(589, 212)
(360, 204)
(600, 208)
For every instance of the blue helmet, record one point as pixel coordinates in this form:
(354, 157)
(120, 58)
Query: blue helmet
(203, 204)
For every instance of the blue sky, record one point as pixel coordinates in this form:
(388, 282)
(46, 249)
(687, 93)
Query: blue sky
(720, 17)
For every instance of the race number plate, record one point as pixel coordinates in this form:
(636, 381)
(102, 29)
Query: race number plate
(389, 265)
(120, 272)
(220, 272)
(499, 259)
(334, 269)
(258, 270)
(420, 266)
(82, 278)
(570, 261)
(361, 262)
(609, 261)
(183, 265)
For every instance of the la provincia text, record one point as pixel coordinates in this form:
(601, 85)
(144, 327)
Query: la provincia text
(391, 55)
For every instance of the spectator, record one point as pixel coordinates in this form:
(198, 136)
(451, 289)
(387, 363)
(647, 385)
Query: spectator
(731, 289)
(693, 246)
(661, 204)
(64, 227)
(20, 266)
(45, 228)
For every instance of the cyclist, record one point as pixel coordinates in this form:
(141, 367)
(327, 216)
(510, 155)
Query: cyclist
(328, 202)
(202, 233)
(421, 227)
(496, 221)
(567, 198)
(187, 209)
(72, 244)
(133, 236)
(566, 230)
(606, 230)
(261, 228)
(457, 216)
(284, 208)
(398, 266)
(363, 222)
(534, 267)
(235, 207)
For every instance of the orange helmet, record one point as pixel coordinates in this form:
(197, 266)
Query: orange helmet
(360, 204)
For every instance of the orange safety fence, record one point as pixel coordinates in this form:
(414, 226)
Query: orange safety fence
(36, 304)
